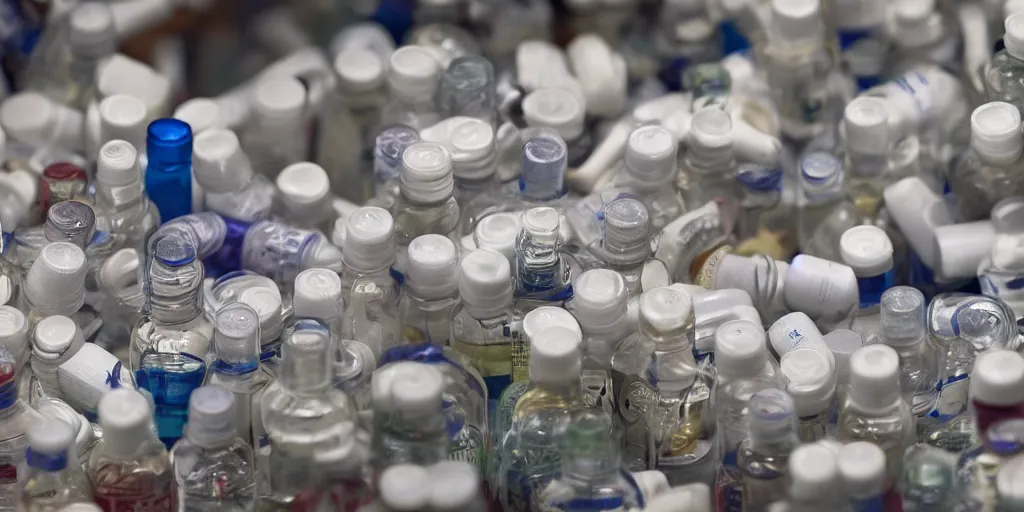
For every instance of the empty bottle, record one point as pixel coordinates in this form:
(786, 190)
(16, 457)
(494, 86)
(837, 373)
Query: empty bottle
(237, 367)
(280, 251)
(468, 89)
(762, 458)
(868, 251)
(413, 75)
(426, 203)
(17, 419)
(431, 290)
(1001, 74)
(765, 224)
(649, 167)
(811, 382)
(903, 329)
(562, 111)
(625, 246)
(988, 173)
(128, 214)
(55, 478)
(542, 274)
(409, 424)
(369, 290)
(600, 305)
(708, 171)
(824, 215)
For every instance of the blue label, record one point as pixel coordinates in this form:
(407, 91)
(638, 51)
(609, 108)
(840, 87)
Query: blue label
(594, 504)
(873, 504)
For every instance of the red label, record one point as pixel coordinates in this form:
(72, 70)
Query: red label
(118, 502)
(8, 474)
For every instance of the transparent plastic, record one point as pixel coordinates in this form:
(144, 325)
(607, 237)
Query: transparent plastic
(763, 458)
(16, 418)
(542, 274)
(240, 209)
(54, 480)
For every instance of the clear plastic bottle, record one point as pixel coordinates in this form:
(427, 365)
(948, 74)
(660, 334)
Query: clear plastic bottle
(304, 197)
(626, 243)
(55, 478)
(593, 477)
(811, 381)
(765, 224)
(280, 251)
(990, 171)
(431, 290)
(276, 135)
(237, 367)
(1003, 72)
(170, 345)
(903, 329)
(997, 390)
(867, 152)
(649, 167)
(762, 458)
(233, 191)
(562, 111)
(815, 482)
(600, 305)
(472, 146)
(413, 78)
(921, 33)
(213, 466)
(708, 170)
(868, 251)
(124, 211)
(874, 410)
(824, 214)
(16, 419)
(542, 273)
(426, 202)
(369, 290)
(977, 469)
(468, 89)
(129, 468)
(408, 420)
(389, 146)
(1001, 267)
(530, 451)
(862, 470)
(928, 482)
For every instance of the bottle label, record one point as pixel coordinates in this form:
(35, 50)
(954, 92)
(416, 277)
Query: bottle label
(8, 471)
(123, 500)
(609, 504)
(952, 397)
(520, 354)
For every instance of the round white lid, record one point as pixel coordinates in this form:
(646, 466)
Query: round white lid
(123, 116)
(317, 294)
(811, 379)
(627, 228)
(814, 472)
(56, 280)
(304, 187)
(557, 109)
(555, 355)
(414, 71)
(13, 329)
(359, 69)
(454, 485)
(874, 377)
(740, 349)
(1013, 39)
(546, 317)
(996, 132)
(485, 281)
(867, 250)
(498, 231)
(998, 378)
(201, 114)
(50, 436)
(237, 324)
(651, 154)
(1008, 482)
(599, 300)
(665, 309)
(418, 391)
(542, 223)
(427, 173)
(862, 469)
(433, 271)
(795, 20)
(279, 98)
(91, 26)
(267, 304)
(405, 488)
(211, 415)
(125, 417)
(866, 121)
(369, 239)
(117, 164)
(903, 316)
(54, 335)
(219, 164)
(26, 117)
(711, 129)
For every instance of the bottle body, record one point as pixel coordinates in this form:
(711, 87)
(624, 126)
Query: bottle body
(219, 478)
(1003, 79)
(144, 482)
(892, 430)
(977, 186)
(273, 145)
(345, 142)
(414, 219)
(798, 75)
(426, 320)
(493, 346)
(240, 210)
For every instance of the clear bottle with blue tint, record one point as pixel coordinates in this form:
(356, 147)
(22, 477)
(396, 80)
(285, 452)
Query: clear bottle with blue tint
(280, 251)
(237, 366)
(169, 173)
(233, 191)
(388, 149)
(765, 224)
(426, 202)
(824, 214)
(542, 273)
(903, 328)
(170, 345)
(542, 171)
(868, 251)
(763, 457)
(55, 478)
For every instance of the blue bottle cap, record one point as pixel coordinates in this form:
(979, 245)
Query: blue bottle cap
(759, 178)
(169, 142)
(175, 250)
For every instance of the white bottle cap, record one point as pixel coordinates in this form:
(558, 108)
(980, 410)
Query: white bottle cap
(651, 155)
(56, 339)
(485, 282)
(55, 283)
(740, 349)
(682, 498)
(418, 391)
(555, 355)
(557, 109)
(650, 483)
(814, 473)
(125, 417)
(599, 301)
(546, 317)
(359, 70)
(711, 130)
(825, 290)
(50, 436)
(915, 23)
(903, 316)
(811, 380)
(212, 416)
(81, 507)
(201, 114)
(317, 294)
(795, 330)
(471, 142)
(123, 117)
(867, 250)
(874, 378)
(433, 271)
(867, 126)
(369, 239)
(220, 166)
(405, 488)
(996, 132)
(414, 71)
(427, 174)
(665, 309)
(13, 331)
(998, 378)
(91, 29)
(796, 20)
(1013, 39)
(455, 485)
(117, 164)
(601, 74)
(304, 187)
(27, 117)
(498, 231)
(843, 343)
(917, 211)
(121, 74)
(279, 99)
(862, 469)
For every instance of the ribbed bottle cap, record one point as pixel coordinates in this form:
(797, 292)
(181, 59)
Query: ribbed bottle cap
(771, 416)
(70, 221)
(54, 336)
(220, 166)
(903, 316)
(27, 117)
(418, 391)
(498, 232)
(651, 154)
(201, 114)
(874, 377)
(627, 230)
(13, 330)
(811, 379)
(472, 145)
(485, 281)
(541, 224)
(369, 239)
(433, 271)
(50, 436)
(665, 309)
(414, 71)
(317, 294)
(427, 174)
(405, 488)
(814, 473)
(998, 378)
(1014, 36)
(599, 301)
(236, 338)
(740, 349)
(867, 250)
(546, 317)
(92, 28)
(123, 117)
(796, 20)
(543, 168)
(267, 304)
(56, 281)
(303, 187)
(555, 355)
(557, 109)
(996, 132)
(279, 98)
(862, 469)
(211, 416)
(866, 121)
(455, 485)
(117, 164)
(125, 417)
(359, 69)
(711, 130)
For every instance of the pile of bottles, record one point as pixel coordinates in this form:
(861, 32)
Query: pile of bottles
(630, 255)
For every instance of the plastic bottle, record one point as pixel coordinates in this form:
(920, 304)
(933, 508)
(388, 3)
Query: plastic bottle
(169, 180)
